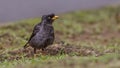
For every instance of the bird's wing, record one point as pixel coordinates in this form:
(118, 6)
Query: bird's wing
(35, 31)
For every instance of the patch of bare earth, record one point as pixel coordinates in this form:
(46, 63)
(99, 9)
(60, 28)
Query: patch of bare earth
(56, 49)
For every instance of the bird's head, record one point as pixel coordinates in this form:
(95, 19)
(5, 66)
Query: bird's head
(49, 18)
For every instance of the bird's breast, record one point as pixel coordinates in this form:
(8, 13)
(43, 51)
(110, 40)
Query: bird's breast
(48, 29)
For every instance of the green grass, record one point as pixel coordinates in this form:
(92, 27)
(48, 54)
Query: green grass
(106, 61)
(96, 32)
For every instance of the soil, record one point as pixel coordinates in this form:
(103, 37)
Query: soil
(56, 49)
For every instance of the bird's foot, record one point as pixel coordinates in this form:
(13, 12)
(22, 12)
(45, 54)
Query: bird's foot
(43, 52)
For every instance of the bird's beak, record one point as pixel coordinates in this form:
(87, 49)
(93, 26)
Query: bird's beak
(55, 17)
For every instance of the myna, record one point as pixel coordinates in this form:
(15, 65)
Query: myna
(43, 33)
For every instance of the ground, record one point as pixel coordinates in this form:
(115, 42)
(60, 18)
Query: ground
(86, 39)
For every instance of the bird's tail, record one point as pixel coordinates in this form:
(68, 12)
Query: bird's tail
(26, 45)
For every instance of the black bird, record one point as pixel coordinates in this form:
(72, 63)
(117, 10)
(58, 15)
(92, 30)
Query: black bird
(43, 33)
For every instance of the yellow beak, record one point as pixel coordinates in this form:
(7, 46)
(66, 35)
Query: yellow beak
(55, 17)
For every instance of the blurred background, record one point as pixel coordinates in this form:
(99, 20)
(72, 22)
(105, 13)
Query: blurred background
(13, 10)
(87, 33)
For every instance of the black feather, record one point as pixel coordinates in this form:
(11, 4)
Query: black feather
(43, 33)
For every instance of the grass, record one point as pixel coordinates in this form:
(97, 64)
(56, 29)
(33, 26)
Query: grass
(91, 39)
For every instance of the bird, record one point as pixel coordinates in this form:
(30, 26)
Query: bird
(43, 33)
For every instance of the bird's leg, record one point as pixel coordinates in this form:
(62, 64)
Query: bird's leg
(34, 50)
(43, 49)
(35, 55)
